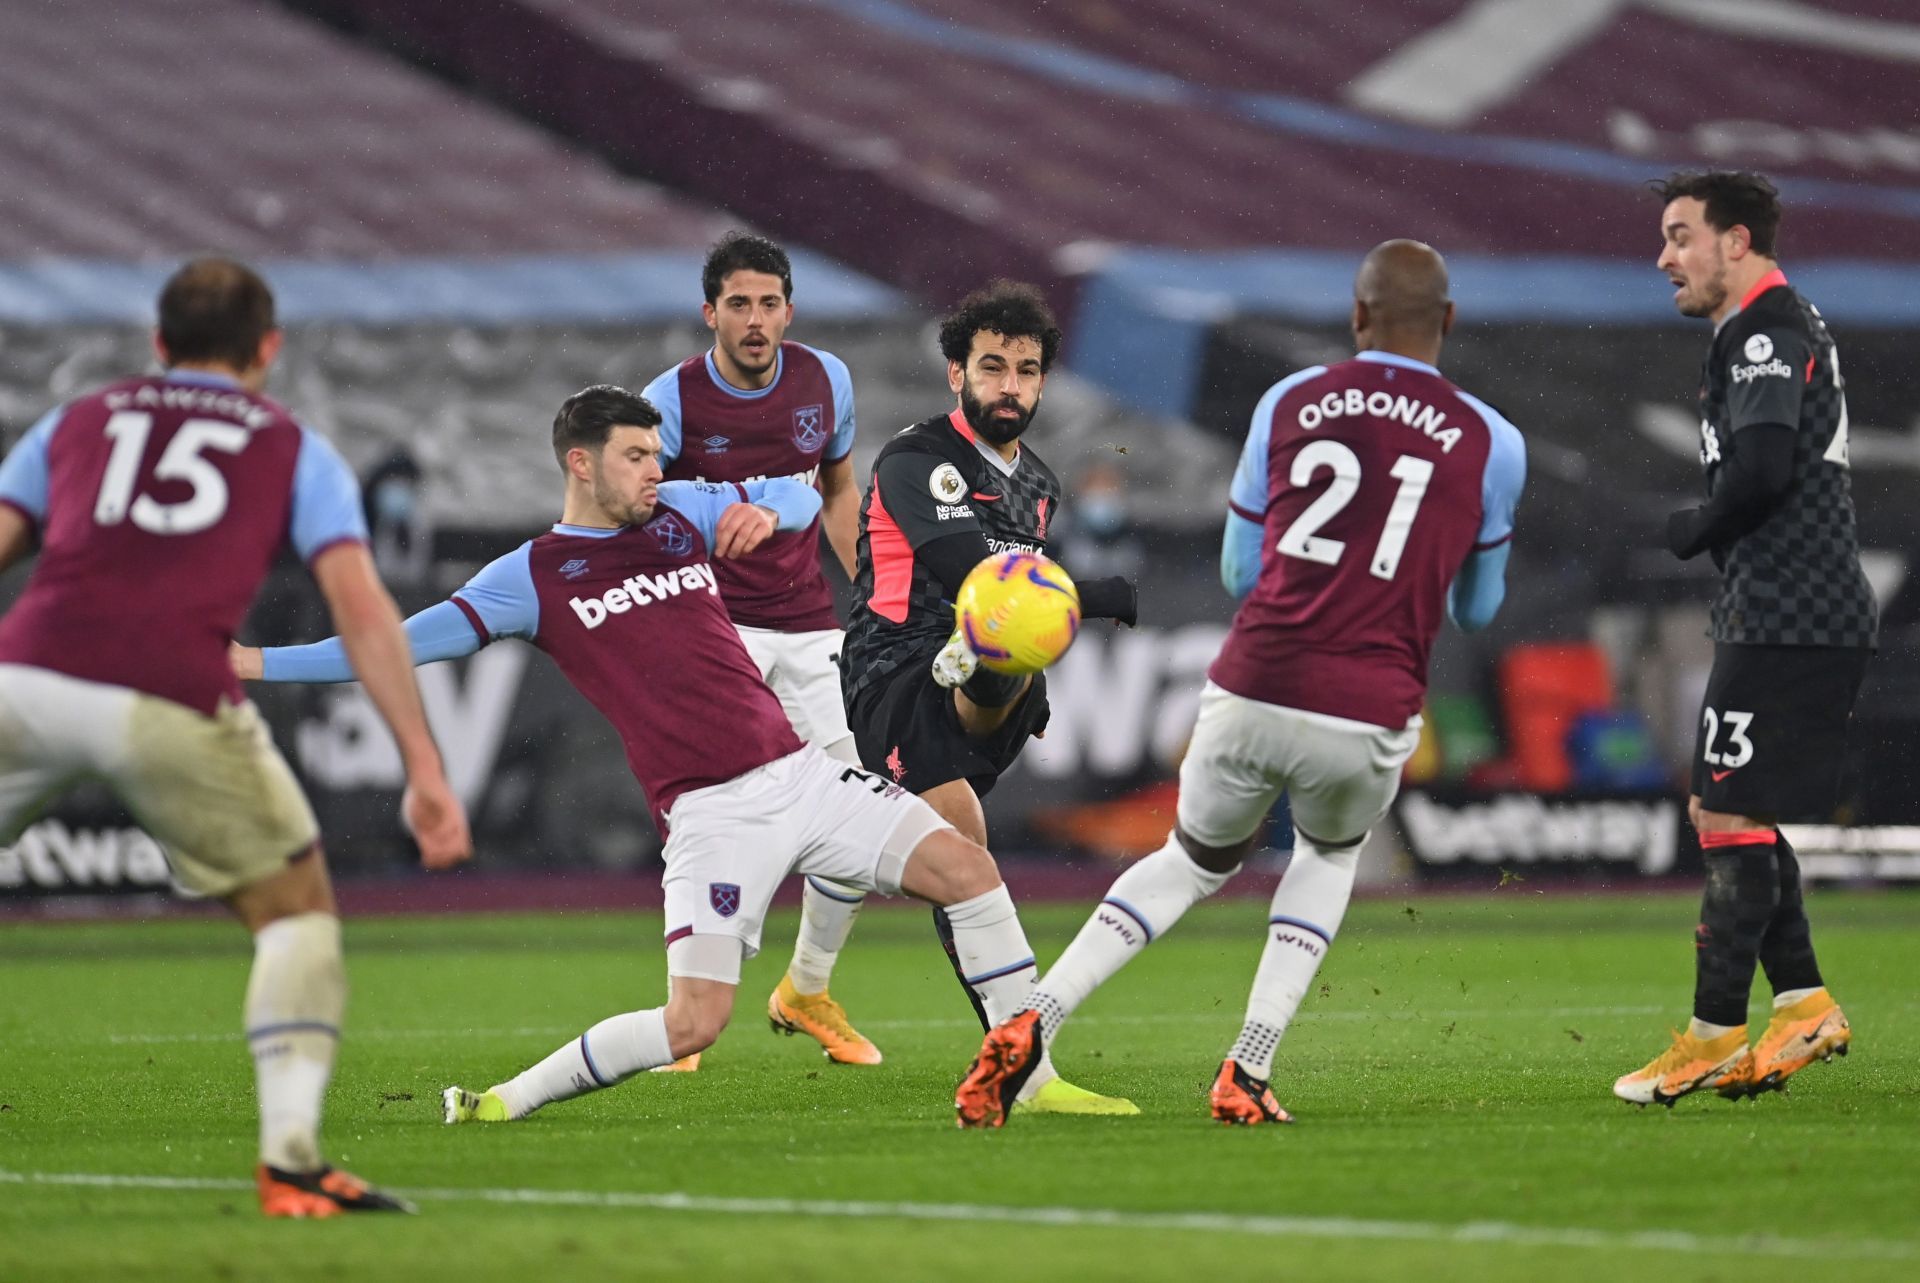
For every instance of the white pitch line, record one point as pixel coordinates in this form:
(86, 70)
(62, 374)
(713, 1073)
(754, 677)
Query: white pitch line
(1163, 1018)
(1500, 1233)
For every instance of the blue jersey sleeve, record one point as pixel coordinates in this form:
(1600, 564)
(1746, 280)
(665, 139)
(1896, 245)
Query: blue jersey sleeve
(664, 395)
(795, 504)
(501, 600)
(1240, 547)
(840, 379)
(497, 602)
(1248, 494)
(1505, 477)
(326, 499)
(23, 474)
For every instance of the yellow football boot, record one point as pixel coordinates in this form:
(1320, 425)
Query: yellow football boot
(1691, 1064)
(822, 1019)
(1813, 1028)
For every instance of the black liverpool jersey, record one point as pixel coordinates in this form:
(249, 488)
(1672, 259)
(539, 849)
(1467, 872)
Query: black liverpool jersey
(930, 481)
(1796, 579)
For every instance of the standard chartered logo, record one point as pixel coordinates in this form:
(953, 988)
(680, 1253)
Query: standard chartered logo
(644, 590)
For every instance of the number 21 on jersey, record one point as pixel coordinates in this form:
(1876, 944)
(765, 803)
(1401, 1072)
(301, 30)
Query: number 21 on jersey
(184, 459)
(1302, 539)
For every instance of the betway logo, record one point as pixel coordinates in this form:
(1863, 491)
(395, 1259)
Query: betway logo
(52, 857)
(644, 590)
(1521, 828)
(1774, 369)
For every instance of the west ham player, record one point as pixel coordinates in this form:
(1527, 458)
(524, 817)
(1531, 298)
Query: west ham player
(755, 406)
(1372, 497)
(161, 503)
(945, 494)
(624, 596)
(1792, 627)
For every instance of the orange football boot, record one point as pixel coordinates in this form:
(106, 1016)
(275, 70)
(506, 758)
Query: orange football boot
(318, 1195)
(1241, 1099)
(1813, 1028)
(1007, 1059)
(822, 1019)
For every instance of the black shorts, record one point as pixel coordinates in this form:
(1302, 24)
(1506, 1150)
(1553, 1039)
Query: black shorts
(905, 727)
(1772, 737)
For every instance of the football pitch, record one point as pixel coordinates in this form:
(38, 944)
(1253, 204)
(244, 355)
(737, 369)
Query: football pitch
(1450, 1079)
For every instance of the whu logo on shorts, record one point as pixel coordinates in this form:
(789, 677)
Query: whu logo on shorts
(724, 897)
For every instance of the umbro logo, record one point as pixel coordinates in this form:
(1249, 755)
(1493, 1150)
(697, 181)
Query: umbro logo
(575, 568)
(717, 444)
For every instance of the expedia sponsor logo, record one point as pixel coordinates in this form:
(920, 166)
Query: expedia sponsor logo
(1759, 347)
(1774, 369)
(1521, 828)
(644, 590)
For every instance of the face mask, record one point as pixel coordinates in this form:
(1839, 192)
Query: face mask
(1102, 516)
(394, 501)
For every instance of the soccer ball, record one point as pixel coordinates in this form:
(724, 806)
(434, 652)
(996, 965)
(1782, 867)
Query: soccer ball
(1018, 611)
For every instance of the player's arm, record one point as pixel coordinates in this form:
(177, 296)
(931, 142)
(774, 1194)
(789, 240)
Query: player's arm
(497, 602)
(329, 532)
(839, 496)
(23, 491)
(735, 517)
(1756, 462)
(1481, 584)
(840, 510)
(1243, 540)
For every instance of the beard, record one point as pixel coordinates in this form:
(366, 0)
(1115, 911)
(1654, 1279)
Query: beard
(1706, 298)
(618, 508)
(995, 431)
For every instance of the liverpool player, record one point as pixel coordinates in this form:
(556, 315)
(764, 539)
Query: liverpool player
(1372, 497)
(945, 494)
(160, 504)
(755, 406)
(624, 596)
(1792, 626)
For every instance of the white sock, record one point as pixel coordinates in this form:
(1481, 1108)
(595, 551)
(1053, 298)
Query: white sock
(995, 959)
(295, 999)
(827, 911)
(1786, 998)
(612, 1051)
(1706, 1030)
(1307, 908)
(1143, 903)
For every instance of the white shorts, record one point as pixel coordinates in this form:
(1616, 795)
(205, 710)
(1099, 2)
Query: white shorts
(213, 791)
(804, 671)
(729, 846)
(1339, 776)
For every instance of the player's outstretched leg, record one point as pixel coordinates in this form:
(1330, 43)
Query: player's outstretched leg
(296, 996)
(1145, 901)
(1807, 1024)
(802, 1004)
(1307, 909)
(1741, 897)
(620, 1046)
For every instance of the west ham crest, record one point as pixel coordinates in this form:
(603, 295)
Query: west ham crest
(810, 427)
(672, 534)
(724, 897)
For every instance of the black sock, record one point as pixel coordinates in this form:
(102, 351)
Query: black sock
(1786, 951)
(1743, 889)
(945, 928)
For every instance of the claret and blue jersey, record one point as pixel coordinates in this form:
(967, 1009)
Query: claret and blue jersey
(161, 503)
(713, 431)
(1371, 499)
(633, 617)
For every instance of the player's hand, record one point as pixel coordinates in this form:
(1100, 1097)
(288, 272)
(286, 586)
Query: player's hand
(955, 663)
(742, 528)
(246, 661)
(438, 823)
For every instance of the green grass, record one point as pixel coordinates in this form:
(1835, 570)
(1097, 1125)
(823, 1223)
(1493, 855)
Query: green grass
(1453, 1071)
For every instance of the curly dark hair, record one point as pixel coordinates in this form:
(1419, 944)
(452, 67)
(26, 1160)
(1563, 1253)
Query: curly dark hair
(589, 416)
(739, 251)
(1011, 309)
(1734, 198)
